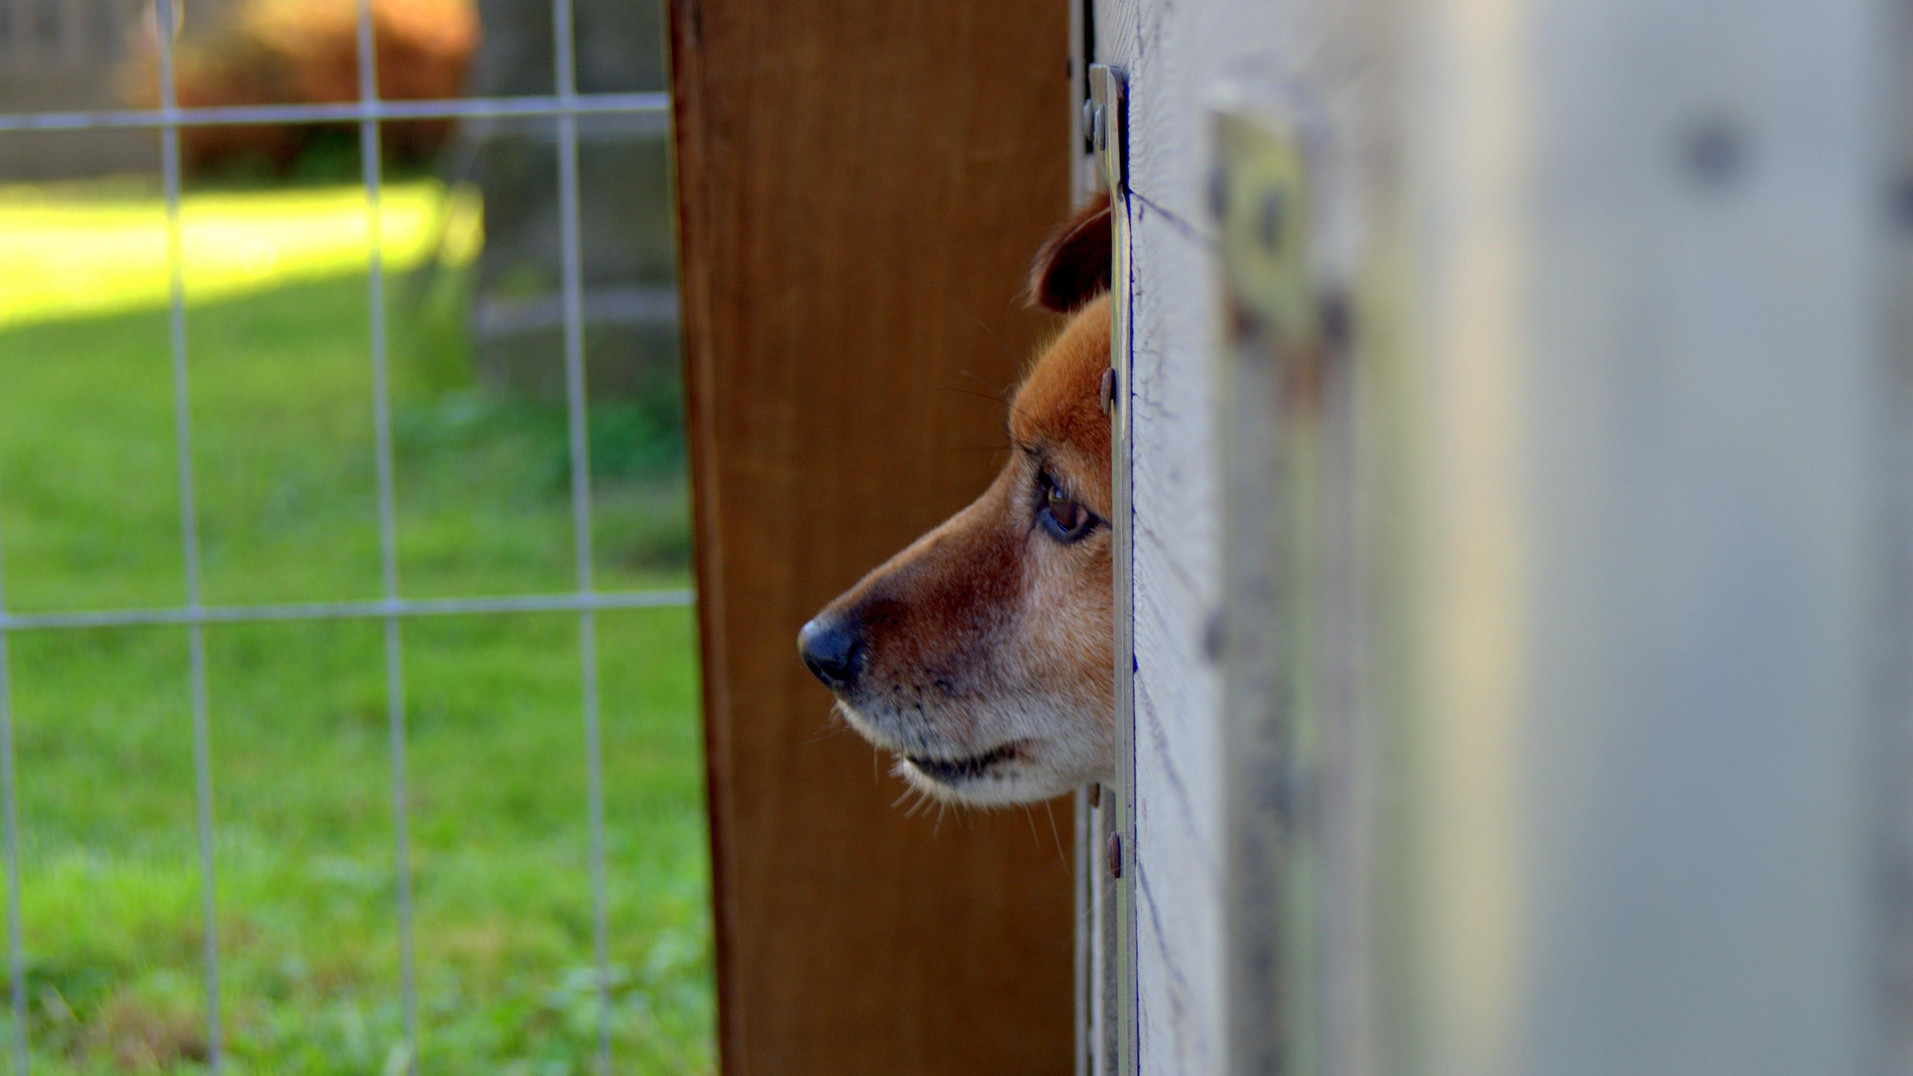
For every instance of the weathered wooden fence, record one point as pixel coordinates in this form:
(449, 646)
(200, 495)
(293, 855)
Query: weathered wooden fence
(1516, 422)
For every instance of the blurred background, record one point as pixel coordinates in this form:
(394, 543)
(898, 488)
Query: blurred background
(274, 252)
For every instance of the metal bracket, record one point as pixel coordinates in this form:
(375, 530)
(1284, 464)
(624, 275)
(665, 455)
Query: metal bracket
(1103, 118)
(1285, 433)
(1115, 1047)
(1264, 220)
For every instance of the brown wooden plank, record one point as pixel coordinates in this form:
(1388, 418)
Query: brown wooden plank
(861, 187)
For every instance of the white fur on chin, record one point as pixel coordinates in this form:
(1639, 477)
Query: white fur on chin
(1018, 780)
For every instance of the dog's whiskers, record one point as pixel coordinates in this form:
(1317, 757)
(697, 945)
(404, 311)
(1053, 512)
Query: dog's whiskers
(1030, 817)
(1062, 857)
(1001, 396)
(991, 333)
(834, 727)
(990, 396)
(906, 794)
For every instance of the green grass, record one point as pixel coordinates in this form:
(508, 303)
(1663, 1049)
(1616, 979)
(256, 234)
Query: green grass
(302, 785)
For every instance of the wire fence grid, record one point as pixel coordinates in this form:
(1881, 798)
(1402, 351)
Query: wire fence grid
(650, 112)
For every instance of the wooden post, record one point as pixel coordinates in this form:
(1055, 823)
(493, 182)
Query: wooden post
(861, 188)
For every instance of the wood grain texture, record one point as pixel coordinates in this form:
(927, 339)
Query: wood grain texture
(861, 188)
(1311, 59)
(1617, 308)
(1172, 54)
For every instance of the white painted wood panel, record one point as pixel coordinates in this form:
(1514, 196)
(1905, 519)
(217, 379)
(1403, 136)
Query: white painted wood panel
(1179, 58)
(1169, 53)
(1648, 282)
(1636, 643)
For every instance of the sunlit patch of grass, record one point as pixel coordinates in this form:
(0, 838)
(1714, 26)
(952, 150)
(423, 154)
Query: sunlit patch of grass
(102, 252)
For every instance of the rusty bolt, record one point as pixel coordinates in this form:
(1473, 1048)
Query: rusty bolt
(1107, 393)
(1115, 855)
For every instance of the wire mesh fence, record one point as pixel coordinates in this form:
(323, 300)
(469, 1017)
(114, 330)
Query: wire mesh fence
(392, 608)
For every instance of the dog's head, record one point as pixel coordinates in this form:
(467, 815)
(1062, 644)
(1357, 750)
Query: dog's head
(982, 654)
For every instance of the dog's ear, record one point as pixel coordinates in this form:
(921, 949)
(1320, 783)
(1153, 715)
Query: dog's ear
(1073, 265)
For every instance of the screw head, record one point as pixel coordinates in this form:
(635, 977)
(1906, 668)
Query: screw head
(1115, 855)
(1271, 225)
(1900, 202)
(1215, 635)
(1715, 152)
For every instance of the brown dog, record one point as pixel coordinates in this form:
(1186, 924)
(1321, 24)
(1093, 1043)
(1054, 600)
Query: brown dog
(982, 654)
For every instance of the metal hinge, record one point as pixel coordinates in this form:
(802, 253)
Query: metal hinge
(1103, 121)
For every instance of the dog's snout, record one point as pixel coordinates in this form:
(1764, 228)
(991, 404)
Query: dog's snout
(832, 649)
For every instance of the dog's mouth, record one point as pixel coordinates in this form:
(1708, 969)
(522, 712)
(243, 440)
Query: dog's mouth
(958, 770)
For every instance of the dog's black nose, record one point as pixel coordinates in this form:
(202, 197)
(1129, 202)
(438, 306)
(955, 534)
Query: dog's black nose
(832, 649)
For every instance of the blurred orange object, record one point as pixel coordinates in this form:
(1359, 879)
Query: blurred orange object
(306, 52)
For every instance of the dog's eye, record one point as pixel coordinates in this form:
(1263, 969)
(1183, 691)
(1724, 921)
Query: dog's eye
(1064, 519)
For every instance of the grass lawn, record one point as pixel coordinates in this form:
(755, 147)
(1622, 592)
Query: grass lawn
(283, 452)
